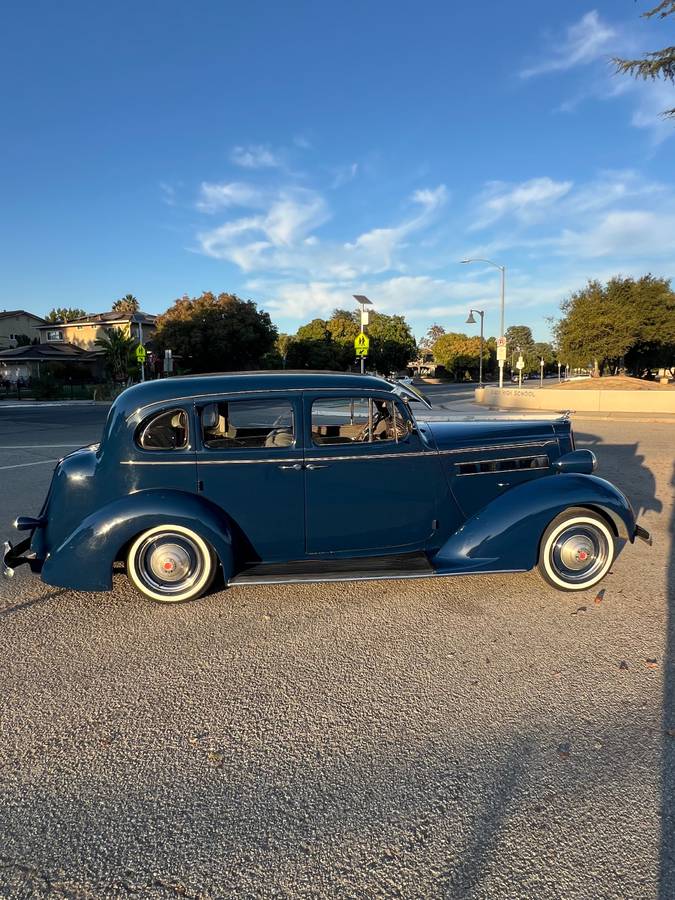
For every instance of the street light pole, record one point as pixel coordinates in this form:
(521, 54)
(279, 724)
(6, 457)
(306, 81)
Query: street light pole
(502, 269)
(472, 321)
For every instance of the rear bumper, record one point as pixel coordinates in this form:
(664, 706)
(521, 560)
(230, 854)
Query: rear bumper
(13, 557)
(643, 534)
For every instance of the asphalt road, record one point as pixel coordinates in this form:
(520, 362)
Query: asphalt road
(482, 737)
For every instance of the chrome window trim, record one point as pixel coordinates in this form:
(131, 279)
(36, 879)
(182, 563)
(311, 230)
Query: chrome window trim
(486, 449)
(478, 462)
(351, 397)
(225, 394)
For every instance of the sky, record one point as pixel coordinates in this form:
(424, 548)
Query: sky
(297, 153)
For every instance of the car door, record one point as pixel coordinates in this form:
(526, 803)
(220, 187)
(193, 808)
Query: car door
(372, 485)
(250, 464)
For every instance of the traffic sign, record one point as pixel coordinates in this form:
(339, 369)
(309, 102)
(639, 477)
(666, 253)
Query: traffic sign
(141, 354)
(501, 352)
(521, 363)
(362, 344)
(501, 342)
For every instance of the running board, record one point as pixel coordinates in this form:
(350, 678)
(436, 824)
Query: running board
(369, 568)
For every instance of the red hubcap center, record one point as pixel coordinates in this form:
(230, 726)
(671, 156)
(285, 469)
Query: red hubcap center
(583, 555)
(168, 566)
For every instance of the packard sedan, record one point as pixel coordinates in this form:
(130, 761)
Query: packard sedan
(299, 476)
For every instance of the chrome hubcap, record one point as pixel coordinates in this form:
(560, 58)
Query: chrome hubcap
(579, 552)
(169, 563)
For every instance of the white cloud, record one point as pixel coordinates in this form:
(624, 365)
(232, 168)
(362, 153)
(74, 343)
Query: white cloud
(213, 197)
(280, 236)
(255, 156)
(623, 234)
(345, 174)
(527, 201)
(288, 218)
(168, 192)
(585, 41)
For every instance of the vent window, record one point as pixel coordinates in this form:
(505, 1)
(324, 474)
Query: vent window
(486, 466)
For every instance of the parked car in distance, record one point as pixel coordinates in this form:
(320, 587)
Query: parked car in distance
(310, 476)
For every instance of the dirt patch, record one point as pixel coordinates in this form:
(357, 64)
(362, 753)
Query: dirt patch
(612, 383)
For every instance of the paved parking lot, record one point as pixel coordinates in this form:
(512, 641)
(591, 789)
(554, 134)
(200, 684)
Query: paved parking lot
(478, 737)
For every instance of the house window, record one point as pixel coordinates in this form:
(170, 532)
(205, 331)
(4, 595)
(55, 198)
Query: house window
(54, 335)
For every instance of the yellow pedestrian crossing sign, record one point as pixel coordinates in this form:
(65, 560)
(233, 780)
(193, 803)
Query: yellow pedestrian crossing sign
(141, 353)
(361, 344)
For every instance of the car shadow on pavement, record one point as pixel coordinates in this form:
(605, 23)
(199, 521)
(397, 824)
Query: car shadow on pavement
(667, 879)
(26, 604)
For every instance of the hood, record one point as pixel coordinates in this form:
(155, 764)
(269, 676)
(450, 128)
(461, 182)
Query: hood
(458, 435)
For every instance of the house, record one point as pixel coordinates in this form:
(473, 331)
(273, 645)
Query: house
(84, 332)
(15, 323)
(20, 364)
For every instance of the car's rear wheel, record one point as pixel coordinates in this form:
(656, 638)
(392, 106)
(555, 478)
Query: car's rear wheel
(170, 564)
(577, 550)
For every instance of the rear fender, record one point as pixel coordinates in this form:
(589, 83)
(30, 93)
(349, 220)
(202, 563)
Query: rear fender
(505, 534)
(85, 559)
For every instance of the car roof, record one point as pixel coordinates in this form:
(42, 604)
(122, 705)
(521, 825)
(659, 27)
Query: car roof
(186, 386)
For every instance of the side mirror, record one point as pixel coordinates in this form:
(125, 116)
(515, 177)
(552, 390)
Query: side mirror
(579, 462)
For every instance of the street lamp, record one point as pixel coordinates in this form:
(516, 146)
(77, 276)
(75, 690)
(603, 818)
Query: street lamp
(364, 301)
(502, 269)
(472, 321)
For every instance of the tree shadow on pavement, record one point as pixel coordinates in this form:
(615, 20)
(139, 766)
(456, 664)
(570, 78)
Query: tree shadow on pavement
(667, 880)
(626, 470)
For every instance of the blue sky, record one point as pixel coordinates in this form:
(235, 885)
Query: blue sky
(299, 152)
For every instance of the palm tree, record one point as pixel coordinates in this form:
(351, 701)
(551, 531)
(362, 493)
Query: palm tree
(117, 348)
(127, 304)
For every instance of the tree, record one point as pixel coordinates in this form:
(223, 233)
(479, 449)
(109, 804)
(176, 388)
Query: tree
(126, 305)
(660, 63)
(434, 332)
(392, 343)
(62, 314)
(626, 321)
(216, 333)
(459, 353)
(282, 346)
(117, 349)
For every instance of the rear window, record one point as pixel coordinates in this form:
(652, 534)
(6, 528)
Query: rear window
(166, 430)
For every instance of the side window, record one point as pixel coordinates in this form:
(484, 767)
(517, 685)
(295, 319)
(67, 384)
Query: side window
(357, 420)
(236, 424)
(167, 430)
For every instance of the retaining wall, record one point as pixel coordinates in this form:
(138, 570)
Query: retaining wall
(662, 401)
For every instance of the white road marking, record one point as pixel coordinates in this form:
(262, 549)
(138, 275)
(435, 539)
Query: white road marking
(40, 462)
(38, 446)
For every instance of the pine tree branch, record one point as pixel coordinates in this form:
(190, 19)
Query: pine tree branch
(663, 9)
(660, 64)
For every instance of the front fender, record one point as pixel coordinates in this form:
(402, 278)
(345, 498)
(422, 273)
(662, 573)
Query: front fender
(84, 560)
(505, 534)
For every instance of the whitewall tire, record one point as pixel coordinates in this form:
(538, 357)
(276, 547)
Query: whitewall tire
(577, 550)
(171, 564)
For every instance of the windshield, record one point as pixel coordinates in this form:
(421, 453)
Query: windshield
(411, 393)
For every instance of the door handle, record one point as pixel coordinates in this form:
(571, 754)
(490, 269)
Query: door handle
(314, 466)
(296, 467)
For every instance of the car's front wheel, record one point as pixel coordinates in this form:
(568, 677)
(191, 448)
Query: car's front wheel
(170, 564)
(577, 550)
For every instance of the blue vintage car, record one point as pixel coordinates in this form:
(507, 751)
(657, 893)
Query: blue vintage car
(302, 476)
